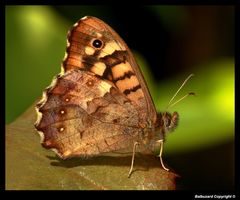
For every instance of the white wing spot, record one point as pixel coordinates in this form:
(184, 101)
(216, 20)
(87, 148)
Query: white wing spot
(65, 56)
(76, 24)
(83, 18)
(89, 50)
(104, 88)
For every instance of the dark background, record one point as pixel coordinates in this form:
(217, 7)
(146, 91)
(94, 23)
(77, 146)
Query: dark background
(169, 42)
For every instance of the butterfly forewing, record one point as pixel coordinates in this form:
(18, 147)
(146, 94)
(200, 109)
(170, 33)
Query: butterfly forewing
(100, 102)
(113, 62)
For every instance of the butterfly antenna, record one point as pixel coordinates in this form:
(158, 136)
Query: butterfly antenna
(190, 93)
(185, 96)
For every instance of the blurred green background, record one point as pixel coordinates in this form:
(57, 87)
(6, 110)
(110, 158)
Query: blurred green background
(169, 42)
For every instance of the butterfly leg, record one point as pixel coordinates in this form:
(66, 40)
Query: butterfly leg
(160, 154)
(134, 149)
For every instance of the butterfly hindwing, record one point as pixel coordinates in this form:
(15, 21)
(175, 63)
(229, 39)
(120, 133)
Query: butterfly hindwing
(84, 116)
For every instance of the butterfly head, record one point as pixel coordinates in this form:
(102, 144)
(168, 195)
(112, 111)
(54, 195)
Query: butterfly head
(167, 122)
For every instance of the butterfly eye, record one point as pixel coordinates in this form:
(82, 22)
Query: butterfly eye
(167, 122)
(97, 43)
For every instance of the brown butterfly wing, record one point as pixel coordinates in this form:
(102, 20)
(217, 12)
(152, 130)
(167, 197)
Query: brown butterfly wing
(113, 62)
(82, 115)
(100, 102)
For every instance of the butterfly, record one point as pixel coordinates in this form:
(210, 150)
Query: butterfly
(100, 101)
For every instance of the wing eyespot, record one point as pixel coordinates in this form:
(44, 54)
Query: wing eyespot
(97, 43)
(90, 83)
